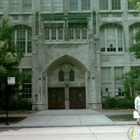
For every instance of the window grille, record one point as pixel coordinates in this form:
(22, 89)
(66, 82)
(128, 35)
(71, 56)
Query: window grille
(86, 4)
(27, 85)
(27, 5)
(103, 4)
(116, 4)
(45, 5)
(1, 5)
(58, 5)
(73, 5)
(15, 5)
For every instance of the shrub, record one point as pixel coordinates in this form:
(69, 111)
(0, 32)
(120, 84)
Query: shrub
(117, 103)
(17, 104)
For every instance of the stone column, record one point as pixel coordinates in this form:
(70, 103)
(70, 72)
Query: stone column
(92, 84)
(38, 73)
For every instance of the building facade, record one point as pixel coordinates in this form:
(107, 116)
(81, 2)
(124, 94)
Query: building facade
(74, 48)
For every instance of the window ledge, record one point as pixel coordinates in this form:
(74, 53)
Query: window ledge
(27, 54)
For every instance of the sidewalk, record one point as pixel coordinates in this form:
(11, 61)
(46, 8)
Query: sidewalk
(61, 118)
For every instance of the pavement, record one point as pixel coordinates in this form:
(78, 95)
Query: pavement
(68, 118)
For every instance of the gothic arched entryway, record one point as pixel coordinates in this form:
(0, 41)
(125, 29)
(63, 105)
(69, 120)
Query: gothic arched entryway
(66, 84)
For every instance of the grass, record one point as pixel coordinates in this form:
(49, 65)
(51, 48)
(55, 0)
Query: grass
(2, 112)
(11, 119)
(121, 117)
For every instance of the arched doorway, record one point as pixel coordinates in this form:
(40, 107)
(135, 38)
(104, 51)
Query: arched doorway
(66, 84)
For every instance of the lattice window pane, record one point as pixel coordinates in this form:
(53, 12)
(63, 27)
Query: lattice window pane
(61, 76)
(53, 33)
(71, 33)
(45, 5)
(60, 33)
(73, 5)
(106, 74)
(84, 33)
(111, 39)
(15, 5)
(27, 5)
(1, 5)
(47, 33)
(132, 33)
(85, 4)
(27, 85)
(102, 41)
(21, 40)
(77, 32)
(131, 6)
(58, 5)
(71, 75)
(120, 40)
(118, 72)
(116, 4)
(103, 4)
(29, 42)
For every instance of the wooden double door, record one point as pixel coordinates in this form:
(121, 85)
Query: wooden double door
(56, 98)
(77, 98)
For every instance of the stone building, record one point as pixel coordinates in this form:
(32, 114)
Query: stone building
(74, 48)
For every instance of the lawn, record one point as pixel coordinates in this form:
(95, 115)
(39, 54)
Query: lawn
(121, 117)
(11, 120)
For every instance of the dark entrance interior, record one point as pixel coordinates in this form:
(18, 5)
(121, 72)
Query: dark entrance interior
(56, 98)
(77, 98)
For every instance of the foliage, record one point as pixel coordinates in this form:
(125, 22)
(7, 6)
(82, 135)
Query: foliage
(137, 3)
(9, 57)
(17, 104)
(117, 103)
(136, 47)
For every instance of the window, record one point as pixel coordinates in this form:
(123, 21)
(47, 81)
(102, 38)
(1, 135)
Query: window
(132, 32)
(1, 5)
(58, 5)
(61, 76)
(27, 84)
(85, 4)
(118, 72)
(71, 75)
(78, 5)
(27, 5)
(54, 32)
(73, 5)
(45, 5)
(52, 5)
(22, 38)
(111, 39)
(103, 4)
(116, 4)
(77, 31)
(131, 6)
(66, 76)
(106, 81)
(15, 5)
(21, 6)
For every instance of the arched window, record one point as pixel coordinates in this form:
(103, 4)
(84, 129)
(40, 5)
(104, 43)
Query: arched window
(77, 32)
(47, 33)
(71, 75)
(61, 76)
(111, 38)
(36, 23)
(22, 38)
(133, 29)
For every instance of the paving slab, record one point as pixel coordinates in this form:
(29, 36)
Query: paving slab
(66, 118)
(82, 117)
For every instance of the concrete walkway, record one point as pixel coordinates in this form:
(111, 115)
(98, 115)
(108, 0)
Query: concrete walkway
(79, 117)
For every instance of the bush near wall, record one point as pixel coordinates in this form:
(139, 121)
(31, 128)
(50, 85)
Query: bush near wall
(17, 104)
(117, 103)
